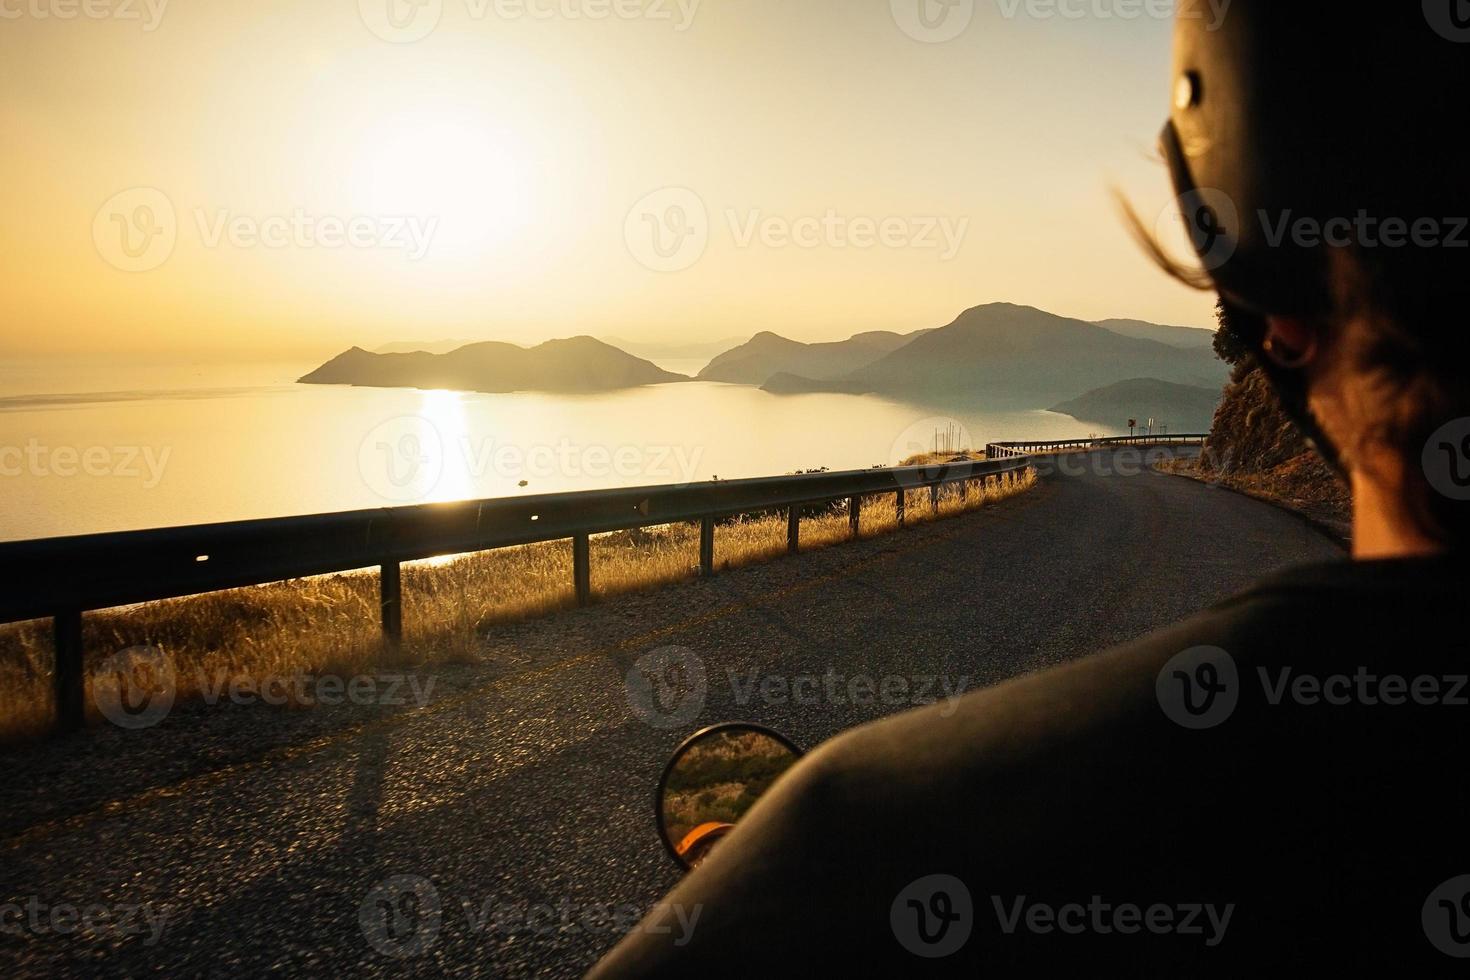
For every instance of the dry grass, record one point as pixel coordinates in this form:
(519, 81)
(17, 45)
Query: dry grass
(329, 625)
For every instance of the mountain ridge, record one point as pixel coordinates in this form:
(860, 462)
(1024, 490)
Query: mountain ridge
(1022, 355)
(1003, 353)
(768, 354)
(1174, 336)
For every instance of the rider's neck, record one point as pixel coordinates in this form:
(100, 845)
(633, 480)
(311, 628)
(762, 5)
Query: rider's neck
(1383, 520)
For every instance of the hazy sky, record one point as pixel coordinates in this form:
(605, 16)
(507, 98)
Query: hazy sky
(288, 177)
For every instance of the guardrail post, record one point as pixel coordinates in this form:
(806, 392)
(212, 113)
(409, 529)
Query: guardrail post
(793, 530)
(901, 507)
(707, 547)
(582, 567)
(934, 498)
(855, 515)
(390, 600)
(70, 689)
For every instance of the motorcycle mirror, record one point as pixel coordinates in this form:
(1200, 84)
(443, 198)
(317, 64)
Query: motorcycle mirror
(713, 778)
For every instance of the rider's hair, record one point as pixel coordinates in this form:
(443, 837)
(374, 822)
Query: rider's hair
(1397, 313)
(1408, 347)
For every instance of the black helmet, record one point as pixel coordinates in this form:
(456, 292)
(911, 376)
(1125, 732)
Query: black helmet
(1291, 119)
(1298, 129)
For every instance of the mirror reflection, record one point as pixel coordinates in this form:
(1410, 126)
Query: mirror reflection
(713, 780)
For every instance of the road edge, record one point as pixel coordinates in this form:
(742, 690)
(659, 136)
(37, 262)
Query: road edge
(1340, 535)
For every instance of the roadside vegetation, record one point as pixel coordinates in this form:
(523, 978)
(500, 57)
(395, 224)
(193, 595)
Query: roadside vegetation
(1255, 449)
(329, 625)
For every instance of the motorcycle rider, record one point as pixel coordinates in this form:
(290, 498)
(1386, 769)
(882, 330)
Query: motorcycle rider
(1274, 784)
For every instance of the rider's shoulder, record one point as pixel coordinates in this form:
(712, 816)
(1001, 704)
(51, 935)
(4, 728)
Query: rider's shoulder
(1077, 714)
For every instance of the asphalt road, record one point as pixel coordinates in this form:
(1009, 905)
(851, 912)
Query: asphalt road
(504, 826)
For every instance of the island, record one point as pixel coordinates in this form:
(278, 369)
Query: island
(579, 364)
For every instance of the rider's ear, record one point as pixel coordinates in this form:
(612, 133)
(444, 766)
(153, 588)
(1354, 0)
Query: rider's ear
(1291, 342)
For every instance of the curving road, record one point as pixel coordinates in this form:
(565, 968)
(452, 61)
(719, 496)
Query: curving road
(516, 800)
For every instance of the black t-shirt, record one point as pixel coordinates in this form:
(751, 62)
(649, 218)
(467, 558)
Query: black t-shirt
(1277, 783)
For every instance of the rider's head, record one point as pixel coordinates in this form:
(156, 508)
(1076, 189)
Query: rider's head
(1318, 155)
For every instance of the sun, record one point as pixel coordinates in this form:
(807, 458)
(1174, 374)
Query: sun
(462, 172)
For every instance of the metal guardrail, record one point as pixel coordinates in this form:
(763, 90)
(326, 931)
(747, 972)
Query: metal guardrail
(1017, 450)
(64, 577)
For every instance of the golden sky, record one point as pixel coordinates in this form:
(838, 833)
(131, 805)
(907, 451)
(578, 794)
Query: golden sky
(287, 178)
